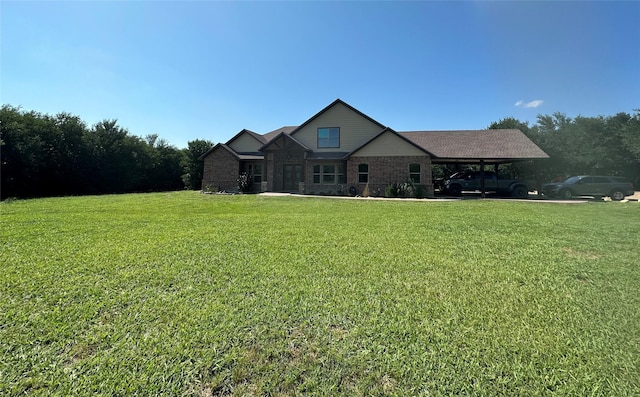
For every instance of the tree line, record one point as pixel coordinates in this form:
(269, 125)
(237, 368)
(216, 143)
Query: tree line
(582, 145)
(43, 155)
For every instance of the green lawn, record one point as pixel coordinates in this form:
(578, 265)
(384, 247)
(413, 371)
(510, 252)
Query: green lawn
(206, 295)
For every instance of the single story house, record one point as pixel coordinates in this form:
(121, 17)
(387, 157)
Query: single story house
(340, 150)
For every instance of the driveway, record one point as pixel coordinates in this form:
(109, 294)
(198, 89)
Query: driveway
(465, 196)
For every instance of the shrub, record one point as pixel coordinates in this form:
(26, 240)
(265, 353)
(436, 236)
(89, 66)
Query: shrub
(407, 189)
(391, 190)
(210, 189)
(245, 183)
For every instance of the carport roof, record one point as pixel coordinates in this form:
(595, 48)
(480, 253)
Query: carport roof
(502, 145)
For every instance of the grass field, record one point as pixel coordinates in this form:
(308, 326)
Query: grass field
(206, 295)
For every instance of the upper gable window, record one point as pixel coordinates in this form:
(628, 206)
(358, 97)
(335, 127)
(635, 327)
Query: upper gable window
(329, 137)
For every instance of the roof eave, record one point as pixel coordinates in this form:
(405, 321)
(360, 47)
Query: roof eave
(286, 136)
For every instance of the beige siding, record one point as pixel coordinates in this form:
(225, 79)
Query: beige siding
(354, 129)
(389, 144)
(245, 143)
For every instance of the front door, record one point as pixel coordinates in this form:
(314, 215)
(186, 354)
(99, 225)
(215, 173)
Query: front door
(292, 177)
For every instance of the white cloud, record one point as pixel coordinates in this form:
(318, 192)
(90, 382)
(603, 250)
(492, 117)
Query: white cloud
(532, 104)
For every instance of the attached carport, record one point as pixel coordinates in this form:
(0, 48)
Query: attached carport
(481, 147)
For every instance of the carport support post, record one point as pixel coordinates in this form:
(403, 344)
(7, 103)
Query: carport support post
(482, 192)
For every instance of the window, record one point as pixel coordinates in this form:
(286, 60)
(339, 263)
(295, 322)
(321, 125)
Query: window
(328, 174)
(329, 137)
(363, 173)
(414, 173)
(256, 171)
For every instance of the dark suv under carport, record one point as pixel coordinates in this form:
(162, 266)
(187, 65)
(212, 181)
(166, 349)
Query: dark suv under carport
(586, 185)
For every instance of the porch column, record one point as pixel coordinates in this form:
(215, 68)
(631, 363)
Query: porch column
(482, 186)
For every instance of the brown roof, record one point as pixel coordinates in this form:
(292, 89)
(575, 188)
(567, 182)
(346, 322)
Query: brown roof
(285, 135)
(256, 136)
(270, 135)
(216, 146)
(497, 145)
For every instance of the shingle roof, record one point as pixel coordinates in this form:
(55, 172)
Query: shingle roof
(503, 144)
(272, 134)
(497, 146)
(286, 136)
(256, 136)
(216, 146)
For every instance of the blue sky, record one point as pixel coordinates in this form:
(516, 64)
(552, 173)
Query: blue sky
(190, 70)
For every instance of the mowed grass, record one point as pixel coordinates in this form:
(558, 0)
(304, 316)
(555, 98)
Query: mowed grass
(207, 295)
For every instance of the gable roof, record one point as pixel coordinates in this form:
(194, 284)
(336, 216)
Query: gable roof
(389, 130)
(284, 135)
(332, 104)
(272, 134)
(252, 134)
(500, 145)
(217, 146)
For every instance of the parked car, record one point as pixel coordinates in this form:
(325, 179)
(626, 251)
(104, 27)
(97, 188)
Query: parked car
(471, 181)
(588, 185)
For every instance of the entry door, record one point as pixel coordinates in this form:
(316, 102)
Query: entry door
(292, 176)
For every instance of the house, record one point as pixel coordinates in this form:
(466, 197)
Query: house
(340, 151)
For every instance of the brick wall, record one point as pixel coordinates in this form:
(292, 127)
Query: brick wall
(384, 171)
(221, 170)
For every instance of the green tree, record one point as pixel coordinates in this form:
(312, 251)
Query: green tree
(627, 127)
(166, 171)
(192, 166)
(72, 155)
(117, 158)
(584, 145)
(44, 155)
(28, 158)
